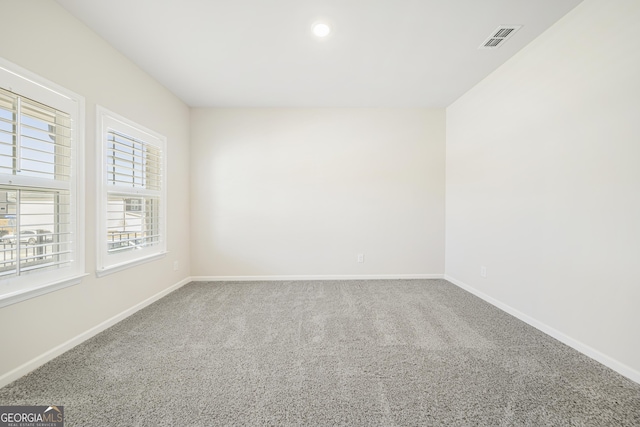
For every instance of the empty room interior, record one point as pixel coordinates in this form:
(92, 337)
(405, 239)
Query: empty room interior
(321, 212)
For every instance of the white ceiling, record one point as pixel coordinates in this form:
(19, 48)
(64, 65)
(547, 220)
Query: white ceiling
(261, 53)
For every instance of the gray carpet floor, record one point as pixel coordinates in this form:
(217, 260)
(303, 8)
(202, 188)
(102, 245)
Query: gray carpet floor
(357, 353)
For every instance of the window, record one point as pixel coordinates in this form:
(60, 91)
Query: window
(41, 245)
(132, 194)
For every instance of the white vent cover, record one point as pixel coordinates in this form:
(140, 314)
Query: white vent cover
(498, 36)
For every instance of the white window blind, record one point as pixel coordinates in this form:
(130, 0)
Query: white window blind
(40, 217)
(35, 150)
(35, 140)
(132, 208)
(134, 187)
(44, 240)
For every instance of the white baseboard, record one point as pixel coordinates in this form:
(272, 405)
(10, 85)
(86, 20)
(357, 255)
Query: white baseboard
(596, 355)
(318, 277)
(38, 361)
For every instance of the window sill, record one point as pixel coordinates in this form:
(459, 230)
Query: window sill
(105, 271)
(25, 294)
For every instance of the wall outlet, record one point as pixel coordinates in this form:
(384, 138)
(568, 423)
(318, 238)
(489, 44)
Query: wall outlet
(360, 257)
(483, 271)
(176, 265)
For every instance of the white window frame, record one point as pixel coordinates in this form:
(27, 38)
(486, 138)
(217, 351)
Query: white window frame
(108, 263)
(30, 85)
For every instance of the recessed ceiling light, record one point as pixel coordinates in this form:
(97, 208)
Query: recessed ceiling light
(321, 30)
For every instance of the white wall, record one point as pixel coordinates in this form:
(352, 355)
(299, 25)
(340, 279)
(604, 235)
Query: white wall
(299, 192)
(543, 182)
(43, 38)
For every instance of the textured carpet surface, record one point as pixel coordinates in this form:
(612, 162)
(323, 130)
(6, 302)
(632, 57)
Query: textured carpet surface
(397, 352)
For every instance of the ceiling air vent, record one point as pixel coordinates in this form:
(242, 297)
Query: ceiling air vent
(498, 36)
